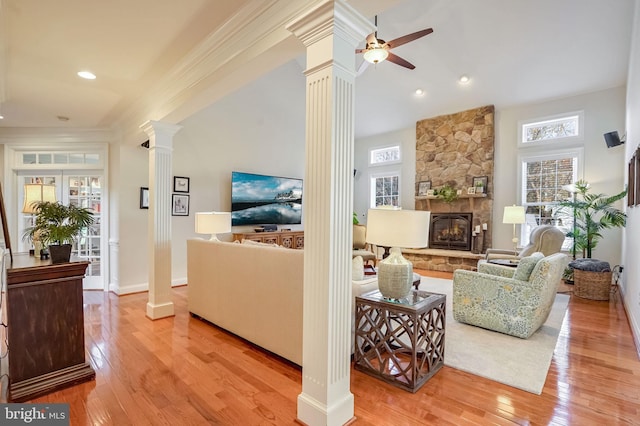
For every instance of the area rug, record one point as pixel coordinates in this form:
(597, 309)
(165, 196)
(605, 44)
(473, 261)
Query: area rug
(521, 363)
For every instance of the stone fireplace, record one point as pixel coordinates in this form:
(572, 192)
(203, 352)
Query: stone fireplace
(456, 150)
(451, 231)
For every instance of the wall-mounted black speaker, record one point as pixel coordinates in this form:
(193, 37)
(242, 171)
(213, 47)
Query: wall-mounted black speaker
(612, 139)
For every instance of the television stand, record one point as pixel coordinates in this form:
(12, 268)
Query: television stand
(288, 239)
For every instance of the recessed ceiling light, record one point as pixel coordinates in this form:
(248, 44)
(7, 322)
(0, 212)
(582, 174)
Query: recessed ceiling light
(419, 92)
(464, 79)
(87, 74)
(1, 117)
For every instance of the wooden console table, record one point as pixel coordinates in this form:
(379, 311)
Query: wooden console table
(289, 239)
(45, 325)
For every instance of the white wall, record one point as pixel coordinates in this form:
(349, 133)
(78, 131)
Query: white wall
(247, 131)
(631, 274)
(603, 167)
(407, 140)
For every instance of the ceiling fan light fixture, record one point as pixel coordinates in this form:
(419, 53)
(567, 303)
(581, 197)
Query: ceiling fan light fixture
(376, 55)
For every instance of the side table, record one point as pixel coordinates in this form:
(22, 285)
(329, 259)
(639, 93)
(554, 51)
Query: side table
(401, 342)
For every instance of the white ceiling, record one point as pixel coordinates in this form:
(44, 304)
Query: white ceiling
(515, 52)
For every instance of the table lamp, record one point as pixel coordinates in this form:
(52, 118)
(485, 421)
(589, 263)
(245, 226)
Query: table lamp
(396, 229)
(213, 223)
(514, 215)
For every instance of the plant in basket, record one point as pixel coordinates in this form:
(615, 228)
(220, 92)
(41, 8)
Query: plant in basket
(592, 213)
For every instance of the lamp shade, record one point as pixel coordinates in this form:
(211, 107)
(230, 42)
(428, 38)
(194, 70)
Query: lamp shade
(513, 214)
(35, 193)
(213, 223)
(398, 228)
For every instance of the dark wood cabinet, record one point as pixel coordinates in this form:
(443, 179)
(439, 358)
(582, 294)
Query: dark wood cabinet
(289, 239)
(45, 323)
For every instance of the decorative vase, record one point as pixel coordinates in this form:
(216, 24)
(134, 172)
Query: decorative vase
(395, 275)
(60, 253)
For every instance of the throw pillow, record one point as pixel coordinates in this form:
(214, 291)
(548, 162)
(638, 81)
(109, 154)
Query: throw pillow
(526, 265)
(357, 268)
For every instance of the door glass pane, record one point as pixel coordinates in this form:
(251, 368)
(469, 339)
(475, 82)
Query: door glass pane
(85, 191)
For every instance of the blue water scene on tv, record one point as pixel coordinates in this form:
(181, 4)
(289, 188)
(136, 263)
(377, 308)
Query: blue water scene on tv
(260, 199)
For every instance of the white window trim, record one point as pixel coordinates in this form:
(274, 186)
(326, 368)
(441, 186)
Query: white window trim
(386, 163)
(392, 172)
(556, 141)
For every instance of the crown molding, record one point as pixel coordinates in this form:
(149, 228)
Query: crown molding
(11, 135)
(254, 30)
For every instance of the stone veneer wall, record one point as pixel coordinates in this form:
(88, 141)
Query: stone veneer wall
(453, 149)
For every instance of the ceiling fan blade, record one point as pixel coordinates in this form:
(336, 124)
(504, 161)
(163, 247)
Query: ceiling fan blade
(399, 61)
(409, 37)
(361, 50)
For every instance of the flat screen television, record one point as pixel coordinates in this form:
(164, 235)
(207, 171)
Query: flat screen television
(260, 199)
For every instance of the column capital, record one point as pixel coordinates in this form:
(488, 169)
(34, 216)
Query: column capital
(331, 17)
(160, 131)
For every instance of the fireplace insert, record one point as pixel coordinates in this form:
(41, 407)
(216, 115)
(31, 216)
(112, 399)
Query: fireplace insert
(450, 231)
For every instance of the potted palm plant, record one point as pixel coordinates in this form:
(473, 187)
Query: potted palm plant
(57, 226)
(592, 213)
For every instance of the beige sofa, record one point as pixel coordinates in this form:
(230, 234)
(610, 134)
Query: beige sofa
(253, 291)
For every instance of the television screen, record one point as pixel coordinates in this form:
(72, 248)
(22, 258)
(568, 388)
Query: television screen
(260, 199)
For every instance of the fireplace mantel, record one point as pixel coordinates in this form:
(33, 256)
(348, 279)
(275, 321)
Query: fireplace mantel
(470, 197)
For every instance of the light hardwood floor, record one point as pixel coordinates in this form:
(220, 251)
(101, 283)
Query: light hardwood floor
(183, 371)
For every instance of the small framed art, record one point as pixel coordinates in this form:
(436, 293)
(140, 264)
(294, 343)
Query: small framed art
(424, 187)
(181, 184)
(179, 205)
(480, 184)
(471, 190)
(144, 198)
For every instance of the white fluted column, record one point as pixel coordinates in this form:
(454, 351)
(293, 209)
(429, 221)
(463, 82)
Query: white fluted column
(159, 238)
(330, 31)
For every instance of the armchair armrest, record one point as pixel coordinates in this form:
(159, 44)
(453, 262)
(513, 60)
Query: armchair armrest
(492, 253)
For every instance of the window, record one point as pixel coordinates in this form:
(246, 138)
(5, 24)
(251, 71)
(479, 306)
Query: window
(551, 129)
(385, 189)
(386, 155)
(543, 179)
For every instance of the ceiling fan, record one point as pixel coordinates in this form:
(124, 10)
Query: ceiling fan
(377, 50)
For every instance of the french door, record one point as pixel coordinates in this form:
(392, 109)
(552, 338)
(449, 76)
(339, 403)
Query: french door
(83, 189)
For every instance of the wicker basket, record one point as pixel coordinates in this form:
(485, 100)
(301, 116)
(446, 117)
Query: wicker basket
(591, 285)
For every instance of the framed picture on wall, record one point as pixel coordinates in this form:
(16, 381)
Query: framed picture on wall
(181, 184)
(631, 184)
(424, 187)
(480, 184)
(144, 198)
(637, 174)
(179, 205)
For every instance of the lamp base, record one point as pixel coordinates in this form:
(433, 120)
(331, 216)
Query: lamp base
(395, 276)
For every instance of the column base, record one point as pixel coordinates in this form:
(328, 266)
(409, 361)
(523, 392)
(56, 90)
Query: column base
(313, 412)
(163, 310)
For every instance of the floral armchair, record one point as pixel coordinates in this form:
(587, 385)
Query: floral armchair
(506, 299)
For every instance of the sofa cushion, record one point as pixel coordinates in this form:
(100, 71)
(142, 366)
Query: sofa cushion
(526, 265)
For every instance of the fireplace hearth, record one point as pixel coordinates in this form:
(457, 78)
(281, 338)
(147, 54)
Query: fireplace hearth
(450, 231)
